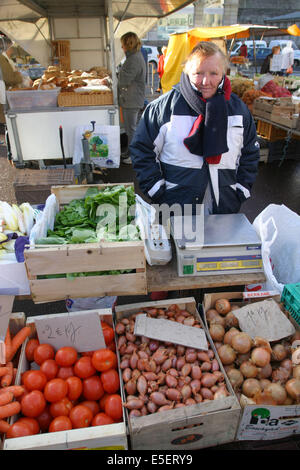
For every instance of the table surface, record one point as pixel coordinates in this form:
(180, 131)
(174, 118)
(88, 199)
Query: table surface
(165, 278)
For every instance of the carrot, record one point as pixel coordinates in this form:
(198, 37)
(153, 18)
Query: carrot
(17, 390)
(7, 379)
(6, 397)
(4, 370)
(10, 409)
(4, 426)
(7, 342)
(18, 340)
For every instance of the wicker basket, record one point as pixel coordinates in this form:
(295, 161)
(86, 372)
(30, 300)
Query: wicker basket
(85, 99)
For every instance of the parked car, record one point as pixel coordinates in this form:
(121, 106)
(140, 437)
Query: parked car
(236, 49)
(260, 54)
(152, 55)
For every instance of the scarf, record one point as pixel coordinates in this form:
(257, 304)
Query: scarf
(208, 135)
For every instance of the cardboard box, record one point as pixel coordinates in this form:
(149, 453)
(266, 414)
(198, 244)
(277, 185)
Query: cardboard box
(192, 427)
(106, 437)
(260, 422)
(86, 257)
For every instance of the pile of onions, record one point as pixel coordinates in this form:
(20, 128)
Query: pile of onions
(266, 373)
(159, 376)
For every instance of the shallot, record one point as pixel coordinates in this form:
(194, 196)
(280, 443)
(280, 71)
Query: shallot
(260, 356)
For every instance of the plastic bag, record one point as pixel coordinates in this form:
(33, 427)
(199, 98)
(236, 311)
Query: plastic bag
(90, 303)
(279, 230)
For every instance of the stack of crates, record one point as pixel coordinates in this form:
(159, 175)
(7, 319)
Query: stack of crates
(291, 300)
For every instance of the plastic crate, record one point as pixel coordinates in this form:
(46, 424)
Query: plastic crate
(291, 300)
(31, 99)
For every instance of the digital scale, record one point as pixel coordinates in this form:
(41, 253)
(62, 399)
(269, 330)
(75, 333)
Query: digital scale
(226, 244)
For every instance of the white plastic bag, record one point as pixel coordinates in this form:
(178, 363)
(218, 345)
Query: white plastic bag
(90, 303)
(279, 230)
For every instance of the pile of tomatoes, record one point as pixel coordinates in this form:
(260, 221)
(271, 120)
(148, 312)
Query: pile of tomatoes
(69, 390)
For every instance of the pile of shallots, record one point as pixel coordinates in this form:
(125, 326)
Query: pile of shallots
(266, 373)
(160, 375)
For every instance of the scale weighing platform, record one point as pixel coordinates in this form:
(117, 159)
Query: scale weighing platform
(228, 244)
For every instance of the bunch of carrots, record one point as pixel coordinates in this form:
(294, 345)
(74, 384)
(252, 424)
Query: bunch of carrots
(8, 390)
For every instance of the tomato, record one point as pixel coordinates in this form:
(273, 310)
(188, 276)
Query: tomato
(65, 372)
(108, 332)
(101, 419)
(66, 356)
(74, 387)
(35, 380)
(102, 401)
(33, 404)
(50, 368)
(18, 429)
(23, 375)
(84, 368)
(30, 347)
(110, 380)
(81, 416)
(60, 423)
(112, 346)
(113, 407)
(55, 389)
(104, 359)
(92, 388)
(42, 352)
(92, 405)
(61, 407)
(32, 423)
(44, 419)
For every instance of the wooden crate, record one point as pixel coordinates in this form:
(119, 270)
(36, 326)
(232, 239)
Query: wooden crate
(107, 437)
(192, 427)
(70, 98)
(61, 54)
(34, 186)
(87, 257)
(270, 132)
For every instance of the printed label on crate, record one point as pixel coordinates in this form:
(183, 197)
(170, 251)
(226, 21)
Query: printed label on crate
(173, 332)
(81, 331)
(261, 422)
(264, 319)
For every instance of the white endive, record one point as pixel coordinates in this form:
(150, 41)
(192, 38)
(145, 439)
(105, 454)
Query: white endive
(28, 214)
(20, 217)
(9, 216)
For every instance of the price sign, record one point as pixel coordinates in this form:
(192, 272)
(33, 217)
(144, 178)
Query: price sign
(81, 331)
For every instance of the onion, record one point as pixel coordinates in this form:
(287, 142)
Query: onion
(277, 392)
(278, 352)
(217, 331)
(260, 356)
(229, 335)
(241, 343)
(236, 378)
(231, 321)
(280, 375)
(251, 387)
(264, 383)
(293, 388)
(221, 393)
(287, 364)
(296, 356)
(296, 372)
(219, 320)
(222, 306)
(242, 358)
(210, 314)
(248, 369)
(227, 354)
(264, 372)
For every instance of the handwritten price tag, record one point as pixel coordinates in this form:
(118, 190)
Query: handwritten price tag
(83, 332)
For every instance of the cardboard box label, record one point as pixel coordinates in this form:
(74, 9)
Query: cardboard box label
(261, 422)
(171, 331)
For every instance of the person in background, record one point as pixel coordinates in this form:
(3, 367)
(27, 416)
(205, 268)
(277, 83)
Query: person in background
(243, 50)
(145, 55)
(287, 59)
(197, 143)
(131, 86)
(160, 67)
(265, 68)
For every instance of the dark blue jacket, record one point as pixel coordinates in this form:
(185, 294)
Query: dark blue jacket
(168, 173)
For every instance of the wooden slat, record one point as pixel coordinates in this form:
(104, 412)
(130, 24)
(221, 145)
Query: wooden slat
(50, 290)
(65, 194)
(85, 258)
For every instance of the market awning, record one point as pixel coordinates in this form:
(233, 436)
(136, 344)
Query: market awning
(181, 44)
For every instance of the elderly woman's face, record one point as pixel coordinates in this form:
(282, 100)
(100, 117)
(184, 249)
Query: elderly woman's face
(206, 73)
